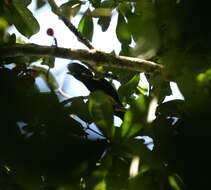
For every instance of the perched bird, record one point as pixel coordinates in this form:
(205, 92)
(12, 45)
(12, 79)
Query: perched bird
(92, 83)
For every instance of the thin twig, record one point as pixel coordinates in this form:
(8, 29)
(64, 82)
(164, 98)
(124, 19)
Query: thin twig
(73, 29)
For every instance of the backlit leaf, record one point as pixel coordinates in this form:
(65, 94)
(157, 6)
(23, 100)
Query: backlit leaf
(127, 89)
(80, 108)
(47, 76)
(122, 31)
(86, 25)
(23, 19)
(71, 8)
(101, 110)
(176, 182)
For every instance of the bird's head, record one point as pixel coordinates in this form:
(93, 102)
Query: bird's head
(79, 71)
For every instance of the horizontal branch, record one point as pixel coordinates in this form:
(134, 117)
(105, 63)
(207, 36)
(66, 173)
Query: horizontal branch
(91, 57)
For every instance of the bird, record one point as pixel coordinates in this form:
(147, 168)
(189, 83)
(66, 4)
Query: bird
(93, 83)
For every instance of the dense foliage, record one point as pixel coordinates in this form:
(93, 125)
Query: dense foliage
(44, 142)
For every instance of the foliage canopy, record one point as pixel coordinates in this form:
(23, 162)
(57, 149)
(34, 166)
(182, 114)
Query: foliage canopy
(44, 142)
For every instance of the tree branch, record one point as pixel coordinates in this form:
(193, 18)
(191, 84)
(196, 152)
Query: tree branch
(90, 57)
(72, 28)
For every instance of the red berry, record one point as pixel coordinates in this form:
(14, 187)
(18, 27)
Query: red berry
(50, 32)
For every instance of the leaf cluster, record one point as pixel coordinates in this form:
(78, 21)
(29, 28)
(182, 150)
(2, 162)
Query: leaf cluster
(46, 143)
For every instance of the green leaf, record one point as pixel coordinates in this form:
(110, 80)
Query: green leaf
(86, 25)
(176, 182)
(47, 76)
(3, 24)
(144, 29)
(140, 105)
(49, 61)
(122, 31)
(11, 39)
(148, 159)
(71, 8)
(127, 89)
(101, 110)
(3, 28)
(104, 12)
(124, 8)
(135, 118)
(101, 185)
(128, 128)
(104, 22)
(123, 76)
(96, 3)
(25, 3)
(40, 3)
(23, 19)
(80, 108)
(108, 4)
(204, 78)
(161, 88)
